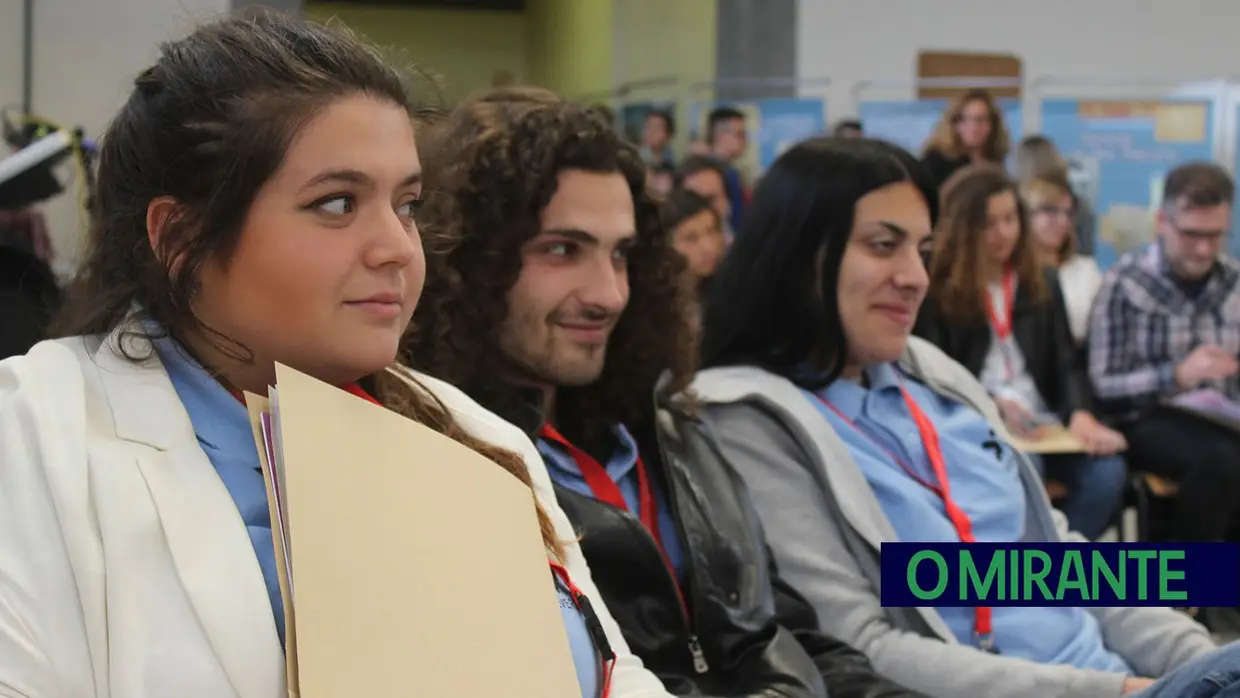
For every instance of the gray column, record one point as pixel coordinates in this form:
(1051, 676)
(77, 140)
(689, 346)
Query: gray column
(756, 39)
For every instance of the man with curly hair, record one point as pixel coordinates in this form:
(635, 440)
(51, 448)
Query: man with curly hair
(555, 299)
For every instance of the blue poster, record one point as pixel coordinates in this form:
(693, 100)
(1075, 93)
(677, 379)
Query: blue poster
(785, 122)
(774, 125)
(1119, 151)
(909, 124)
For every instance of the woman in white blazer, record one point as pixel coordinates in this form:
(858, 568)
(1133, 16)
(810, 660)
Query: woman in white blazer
(255, 204)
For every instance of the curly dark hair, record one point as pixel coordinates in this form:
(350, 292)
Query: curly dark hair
(492, 167)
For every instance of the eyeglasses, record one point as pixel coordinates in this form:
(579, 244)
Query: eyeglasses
(1055, 211)
(1198, 235)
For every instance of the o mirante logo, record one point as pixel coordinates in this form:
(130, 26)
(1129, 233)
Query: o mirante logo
(1060, 574)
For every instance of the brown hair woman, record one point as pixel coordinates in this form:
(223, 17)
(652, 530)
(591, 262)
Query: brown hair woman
(995, 308)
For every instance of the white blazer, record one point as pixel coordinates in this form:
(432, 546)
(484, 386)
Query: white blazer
(125, 568)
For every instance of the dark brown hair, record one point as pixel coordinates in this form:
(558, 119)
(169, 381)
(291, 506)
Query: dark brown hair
(1198, 185)
(493, 168)
(208, 125)
(946, 140)
(957, 265)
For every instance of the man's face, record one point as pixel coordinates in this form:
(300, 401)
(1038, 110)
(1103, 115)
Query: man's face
(574, 281)
(731, 140)
(1193, 237)
(709, 184)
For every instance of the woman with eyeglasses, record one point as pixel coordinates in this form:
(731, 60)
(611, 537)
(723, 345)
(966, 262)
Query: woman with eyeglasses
(1052, 212)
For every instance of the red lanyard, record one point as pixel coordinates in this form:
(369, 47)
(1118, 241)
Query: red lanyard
(606, 490)
(1003, 325)
(959, 519)
(593, 626)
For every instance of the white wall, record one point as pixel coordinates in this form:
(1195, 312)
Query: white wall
(854, 40)
(86, 55)
(10, 53)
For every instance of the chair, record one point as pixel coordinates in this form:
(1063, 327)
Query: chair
(1146, 490)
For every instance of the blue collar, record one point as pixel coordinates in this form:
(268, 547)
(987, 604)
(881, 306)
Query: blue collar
(848, 397)
(220, 420)
(619, 464)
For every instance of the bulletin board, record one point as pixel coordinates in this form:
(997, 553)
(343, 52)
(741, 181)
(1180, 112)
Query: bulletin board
(967, 64)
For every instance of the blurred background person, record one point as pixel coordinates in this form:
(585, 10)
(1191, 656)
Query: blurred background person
(848, 128)
(1036, 157)
(697, 234)
(1051, 209)
(658, 130)
(727, 134)
(971, 131)
(661, 179)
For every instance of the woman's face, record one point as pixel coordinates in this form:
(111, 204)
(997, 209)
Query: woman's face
(882, 278)
(973, 124)
(700, 241)
(1050, 221)
(329, 265)
(1002, 228)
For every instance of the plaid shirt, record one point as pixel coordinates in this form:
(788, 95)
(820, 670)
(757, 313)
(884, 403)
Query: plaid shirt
(1142, 324)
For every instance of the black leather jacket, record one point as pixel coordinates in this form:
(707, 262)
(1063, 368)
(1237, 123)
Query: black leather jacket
(741, 631)
(1041, 331)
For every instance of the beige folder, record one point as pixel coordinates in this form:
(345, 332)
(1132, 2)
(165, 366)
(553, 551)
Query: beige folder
(1055, 438)
(418, 567)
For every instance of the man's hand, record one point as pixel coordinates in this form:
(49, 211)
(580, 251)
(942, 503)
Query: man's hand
(1133, 684)
(1018, 420)
(1098, 439)
(1207, 362)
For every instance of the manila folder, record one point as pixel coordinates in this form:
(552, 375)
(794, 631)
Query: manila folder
(418, 564)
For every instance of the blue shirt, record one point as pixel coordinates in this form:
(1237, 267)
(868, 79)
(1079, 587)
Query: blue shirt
(586, 657)
(622, 468)
(985, 483)
(736, 195)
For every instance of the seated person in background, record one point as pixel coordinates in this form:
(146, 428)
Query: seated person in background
(562, 319)
(970, 132)
(255, 205)
(997, 310)
(29, 296)
(1036, 157)
(657, 132)
(1167, 320)
(1049, 204)
(696, 235)
(703, 174)
(661, 179)
(811, 388)
(848, 128)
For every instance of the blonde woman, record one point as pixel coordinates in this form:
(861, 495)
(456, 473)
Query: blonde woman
(1051, 207)
(1037, 157)
(971, 132)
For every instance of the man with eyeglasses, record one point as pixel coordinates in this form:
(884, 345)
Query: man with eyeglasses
(1166, 323)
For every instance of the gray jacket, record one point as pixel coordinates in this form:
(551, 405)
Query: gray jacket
(825, 527)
